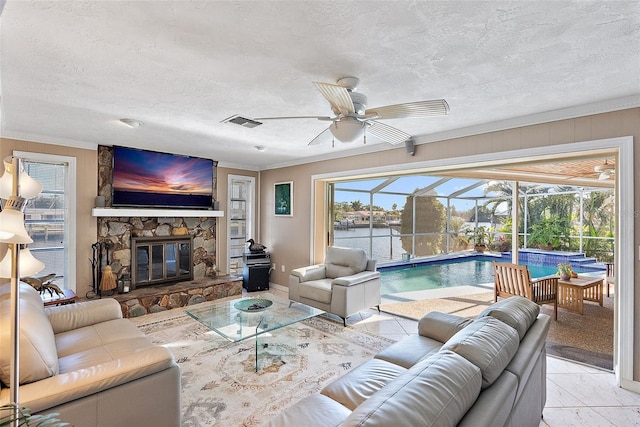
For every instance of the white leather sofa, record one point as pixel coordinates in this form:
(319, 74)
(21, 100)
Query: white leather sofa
(489, 372)
(345, 284)
(87, 363)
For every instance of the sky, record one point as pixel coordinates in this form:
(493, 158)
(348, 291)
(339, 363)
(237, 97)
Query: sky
(407, 184)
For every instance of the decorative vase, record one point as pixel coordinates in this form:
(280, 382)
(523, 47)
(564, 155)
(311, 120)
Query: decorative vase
(565, 276)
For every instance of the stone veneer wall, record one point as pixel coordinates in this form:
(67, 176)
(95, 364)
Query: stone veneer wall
(117, 231)
(154, 299)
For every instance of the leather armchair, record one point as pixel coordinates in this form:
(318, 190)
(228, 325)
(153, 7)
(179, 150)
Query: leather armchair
(345, 284)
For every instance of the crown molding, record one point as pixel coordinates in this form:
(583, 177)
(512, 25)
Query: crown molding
(50, 140)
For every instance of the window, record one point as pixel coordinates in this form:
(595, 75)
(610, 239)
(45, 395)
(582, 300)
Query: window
(50, 216)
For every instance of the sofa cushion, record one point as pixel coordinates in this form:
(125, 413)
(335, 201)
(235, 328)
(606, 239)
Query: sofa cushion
(362, 382)
(94, 336)
(38, 356)
(517, 312)
(315, 410)
(90, 357)
(316, 290)
(344, 261)
(487, 343)
(74, 316)
(438, 391)
(441, 326)
(409, 350)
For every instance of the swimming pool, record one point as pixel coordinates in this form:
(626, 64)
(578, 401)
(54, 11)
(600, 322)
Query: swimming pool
(446, 274)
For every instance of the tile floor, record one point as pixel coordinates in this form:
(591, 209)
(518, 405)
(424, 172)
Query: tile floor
(577, 395)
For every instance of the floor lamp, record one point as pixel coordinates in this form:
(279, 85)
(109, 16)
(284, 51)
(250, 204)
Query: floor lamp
(13, 195)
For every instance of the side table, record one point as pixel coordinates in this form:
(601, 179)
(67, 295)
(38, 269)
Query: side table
(67, 297)
(572, 293)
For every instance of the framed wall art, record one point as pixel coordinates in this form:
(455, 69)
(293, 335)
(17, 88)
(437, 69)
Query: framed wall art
(283, 192)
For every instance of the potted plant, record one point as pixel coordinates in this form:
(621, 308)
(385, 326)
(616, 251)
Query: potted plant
(564, 270)
(479, 236)
(501, 244)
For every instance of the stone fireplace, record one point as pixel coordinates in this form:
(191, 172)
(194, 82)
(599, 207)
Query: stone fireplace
(118, 230)
(138, 239)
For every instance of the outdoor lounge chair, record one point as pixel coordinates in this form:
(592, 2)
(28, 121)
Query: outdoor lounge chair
(513, 279)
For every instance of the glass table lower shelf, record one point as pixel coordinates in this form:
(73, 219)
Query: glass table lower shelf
(252, 317)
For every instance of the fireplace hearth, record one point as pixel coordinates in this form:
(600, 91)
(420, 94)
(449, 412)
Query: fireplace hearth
(161, 259)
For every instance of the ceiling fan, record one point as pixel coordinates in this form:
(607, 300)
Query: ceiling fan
(605, 170)
(353, 120)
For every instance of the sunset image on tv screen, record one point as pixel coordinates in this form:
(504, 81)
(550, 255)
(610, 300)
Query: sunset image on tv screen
(160, 179)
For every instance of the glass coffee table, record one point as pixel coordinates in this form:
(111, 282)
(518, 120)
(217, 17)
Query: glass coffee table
(251, 317)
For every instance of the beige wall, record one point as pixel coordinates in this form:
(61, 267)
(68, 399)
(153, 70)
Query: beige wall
(290, 238)
(86, 188)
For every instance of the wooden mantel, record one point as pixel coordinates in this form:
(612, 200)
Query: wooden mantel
(152, 213)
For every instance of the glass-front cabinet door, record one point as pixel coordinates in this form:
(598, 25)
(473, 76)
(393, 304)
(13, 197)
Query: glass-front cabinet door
(237, 232)
(240, 223)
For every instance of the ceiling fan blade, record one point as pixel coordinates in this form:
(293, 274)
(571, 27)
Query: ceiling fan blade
(386, 133)
(321, 138)
(337, 96)
(434, 107)
(323, 118)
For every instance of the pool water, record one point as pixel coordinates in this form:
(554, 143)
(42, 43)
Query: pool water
(437, 275)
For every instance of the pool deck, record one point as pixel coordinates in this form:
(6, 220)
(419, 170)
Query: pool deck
(454, 291)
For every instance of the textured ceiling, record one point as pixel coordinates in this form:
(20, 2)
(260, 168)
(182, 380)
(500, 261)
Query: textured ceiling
(71, 69)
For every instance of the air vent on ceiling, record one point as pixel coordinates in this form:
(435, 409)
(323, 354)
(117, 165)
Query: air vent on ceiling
(242, 121)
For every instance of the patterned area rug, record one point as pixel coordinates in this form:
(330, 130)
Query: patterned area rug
(585, 338)
(219, 384)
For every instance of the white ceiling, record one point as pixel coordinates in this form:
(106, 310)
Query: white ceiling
(71, 69)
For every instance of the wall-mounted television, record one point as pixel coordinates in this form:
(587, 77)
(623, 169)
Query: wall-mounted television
(144, 178)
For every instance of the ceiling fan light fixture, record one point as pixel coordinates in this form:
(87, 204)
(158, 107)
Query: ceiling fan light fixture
(348, 129)
(604, 176)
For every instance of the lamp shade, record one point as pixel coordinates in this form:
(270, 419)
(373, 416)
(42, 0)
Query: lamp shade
(28, 264)
(12, 227)
(29, 187)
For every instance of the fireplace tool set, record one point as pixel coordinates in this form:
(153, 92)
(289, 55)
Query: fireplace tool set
(102, 276)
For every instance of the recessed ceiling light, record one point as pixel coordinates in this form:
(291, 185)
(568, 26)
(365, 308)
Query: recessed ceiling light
(132, 123)
(260, 147)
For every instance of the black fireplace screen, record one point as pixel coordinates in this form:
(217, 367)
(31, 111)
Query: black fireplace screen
(161, 259)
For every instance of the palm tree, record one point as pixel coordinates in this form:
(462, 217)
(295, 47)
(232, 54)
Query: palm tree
(598, 222)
